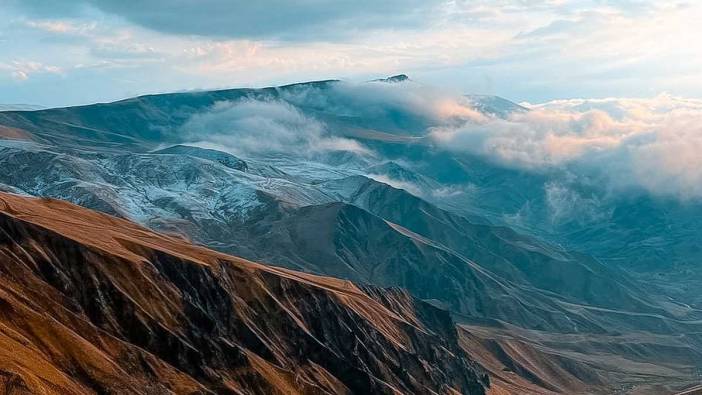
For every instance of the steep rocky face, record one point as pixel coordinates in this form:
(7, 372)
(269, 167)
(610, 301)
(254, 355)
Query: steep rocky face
(90, 303)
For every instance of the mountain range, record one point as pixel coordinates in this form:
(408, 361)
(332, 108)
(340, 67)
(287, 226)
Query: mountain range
(326, 179)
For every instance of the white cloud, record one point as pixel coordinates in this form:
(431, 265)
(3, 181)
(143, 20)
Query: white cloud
(650, 143)
(258, 127)
(21, 70)
(398, 184)
(375, 100)
(58, 26)
(453, 191)
(566, 204)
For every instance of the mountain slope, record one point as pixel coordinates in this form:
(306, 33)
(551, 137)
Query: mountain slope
(152, 119)
(352, 227)
(91, 303)
(538, 362)
(401, 212)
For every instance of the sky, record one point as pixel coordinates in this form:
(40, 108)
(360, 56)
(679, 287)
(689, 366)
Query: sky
(59, 53)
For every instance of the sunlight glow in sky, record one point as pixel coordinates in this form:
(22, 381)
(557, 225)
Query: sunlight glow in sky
(74, 52)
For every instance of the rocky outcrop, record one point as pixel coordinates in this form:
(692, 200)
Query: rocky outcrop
(94, 304)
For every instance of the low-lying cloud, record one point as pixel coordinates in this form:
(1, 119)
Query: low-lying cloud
(258, 127)
(653, 144)
(414, 103)
(398, 184)
(650, 143)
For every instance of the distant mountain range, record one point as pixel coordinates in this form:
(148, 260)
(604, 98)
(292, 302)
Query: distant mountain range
(355, 189)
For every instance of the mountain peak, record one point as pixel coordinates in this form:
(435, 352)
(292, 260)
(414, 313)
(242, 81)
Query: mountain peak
(394, 78)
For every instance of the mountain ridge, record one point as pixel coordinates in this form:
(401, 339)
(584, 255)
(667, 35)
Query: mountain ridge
(40, 236)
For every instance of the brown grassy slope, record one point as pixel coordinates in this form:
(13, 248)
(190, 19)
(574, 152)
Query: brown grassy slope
(93, 304)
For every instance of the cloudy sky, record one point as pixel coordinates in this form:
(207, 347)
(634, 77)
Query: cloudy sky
(81, 51)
